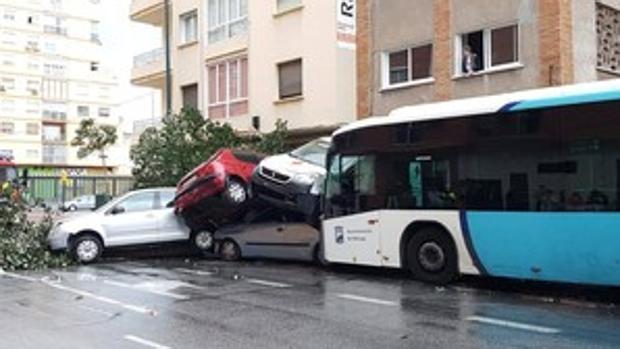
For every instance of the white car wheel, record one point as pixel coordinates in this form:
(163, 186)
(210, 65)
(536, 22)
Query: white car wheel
(203, 240)
(87, 249)
(236, 192)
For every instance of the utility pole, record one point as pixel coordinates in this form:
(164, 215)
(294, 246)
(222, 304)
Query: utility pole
(167, 53)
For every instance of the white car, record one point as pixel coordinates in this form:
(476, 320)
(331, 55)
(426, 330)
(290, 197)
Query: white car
(141, 217)
(293, 180)
(84, 202)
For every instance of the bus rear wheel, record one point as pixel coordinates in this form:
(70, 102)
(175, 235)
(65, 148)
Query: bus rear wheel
(431, 256)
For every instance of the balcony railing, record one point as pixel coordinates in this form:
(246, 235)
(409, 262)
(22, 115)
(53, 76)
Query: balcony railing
(52, 29)
(150, 57)
(55, 154)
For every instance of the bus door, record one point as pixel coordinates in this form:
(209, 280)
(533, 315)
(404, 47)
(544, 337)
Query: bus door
(351, 228)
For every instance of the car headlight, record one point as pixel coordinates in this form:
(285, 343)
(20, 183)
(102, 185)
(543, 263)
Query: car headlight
(305, 178)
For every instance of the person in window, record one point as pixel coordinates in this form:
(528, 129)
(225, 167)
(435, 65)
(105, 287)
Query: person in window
(470, 61)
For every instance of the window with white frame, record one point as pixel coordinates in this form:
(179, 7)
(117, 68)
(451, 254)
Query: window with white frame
(226, 18)
(482, 50)
(284, 5)
(290, 79)
(8, 83)
(54, 89)
(188, 27)
(32, 129)
(7, 128)
(228, 88)
(104, 112)
(83, 111)
(407, 65)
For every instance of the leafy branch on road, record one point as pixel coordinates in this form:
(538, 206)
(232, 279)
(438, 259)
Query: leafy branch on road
(23, 243)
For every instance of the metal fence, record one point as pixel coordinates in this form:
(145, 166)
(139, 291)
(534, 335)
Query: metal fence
(54, 190)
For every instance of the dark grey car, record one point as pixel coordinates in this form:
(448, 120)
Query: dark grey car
(269, 233)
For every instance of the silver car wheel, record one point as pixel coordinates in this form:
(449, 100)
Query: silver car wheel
(236, 192)
(203, 240)
(87, 251)
(229, 251)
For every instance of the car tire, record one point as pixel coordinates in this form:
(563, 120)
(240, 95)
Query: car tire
(432, 257)
(229, 251)
(202, 240)
(236, 192)
(86, 249)
(73, 208)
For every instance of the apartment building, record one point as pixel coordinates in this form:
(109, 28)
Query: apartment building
(249, 63)
(420, 51)
(51, 78)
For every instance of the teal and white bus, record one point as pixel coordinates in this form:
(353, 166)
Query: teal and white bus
(523, 185)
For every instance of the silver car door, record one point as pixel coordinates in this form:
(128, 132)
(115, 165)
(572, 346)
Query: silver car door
(301, 238)
(171, 226)
(132, 220)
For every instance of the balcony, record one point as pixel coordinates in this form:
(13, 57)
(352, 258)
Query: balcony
(55, 155)
(148, 69)
(148, 11)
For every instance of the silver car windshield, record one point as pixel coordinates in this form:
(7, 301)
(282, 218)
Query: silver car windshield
(314, 152)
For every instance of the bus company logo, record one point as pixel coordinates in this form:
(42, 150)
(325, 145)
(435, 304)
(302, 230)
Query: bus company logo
(339, 235)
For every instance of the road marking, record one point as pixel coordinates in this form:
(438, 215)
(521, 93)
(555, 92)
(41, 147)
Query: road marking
(194, 272)
(514, 325)
(146, 288)
(16, 276)
(145, 342)
(267, 283)
(367, 299)
(99, 311)
(86, 294)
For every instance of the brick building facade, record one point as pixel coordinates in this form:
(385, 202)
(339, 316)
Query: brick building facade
(420, 51)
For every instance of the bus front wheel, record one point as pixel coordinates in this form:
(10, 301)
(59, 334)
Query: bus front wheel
(431, 256)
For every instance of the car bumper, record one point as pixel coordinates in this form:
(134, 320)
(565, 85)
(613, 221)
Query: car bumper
(57, 242)
(290, 195)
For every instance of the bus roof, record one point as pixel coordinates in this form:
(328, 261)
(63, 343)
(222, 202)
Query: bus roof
(517, 101)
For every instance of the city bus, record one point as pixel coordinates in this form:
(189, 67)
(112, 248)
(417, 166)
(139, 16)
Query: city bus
(523, 185)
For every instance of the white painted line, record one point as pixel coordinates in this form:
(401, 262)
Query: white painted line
(194, 272)
(145, 342)
(267, 283)
(17, 276)
(86, 294)
(367, 299)
(98, 311)
(514, 325)
(147, 289)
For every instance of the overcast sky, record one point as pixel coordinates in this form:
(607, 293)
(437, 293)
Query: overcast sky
(122, 40)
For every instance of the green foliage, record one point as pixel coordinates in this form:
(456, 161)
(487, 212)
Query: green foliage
(163, 156)
(23, 243)
(91, 138)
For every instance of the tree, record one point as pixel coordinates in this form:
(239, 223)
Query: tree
(91, 138)
(162, 157)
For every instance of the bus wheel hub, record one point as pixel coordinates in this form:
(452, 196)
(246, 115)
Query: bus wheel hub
(431, 256)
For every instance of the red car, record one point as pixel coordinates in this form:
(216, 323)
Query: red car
(215, 190)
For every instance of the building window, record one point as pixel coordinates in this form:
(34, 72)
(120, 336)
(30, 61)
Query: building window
(83, 111)
(94, 31)
(608, 31)
(7, 84)
(290, 79)
(228, 88)
(94, 66)
(486, 49)
(53, 133)
(32, 129)
(7, 128)
(190, 96)
(104, 112)
(408, 65)
(226, 18)
(189, 27)
(284, 5)
(9, 15)
(54, 90)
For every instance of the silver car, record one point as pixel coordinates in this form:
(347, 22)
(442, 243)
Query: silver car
(138, 218)
(84, 202)
(269, 233)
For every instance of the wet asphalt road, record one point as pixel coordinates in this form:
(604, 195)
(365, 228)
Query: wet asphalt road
(178, 303)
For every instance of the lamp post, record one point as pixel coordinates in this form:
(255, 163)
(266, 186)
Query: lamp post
(167, 53)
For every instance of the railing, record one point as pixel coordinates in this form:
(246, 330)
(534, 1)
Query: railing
(52, 29)
(51, 189)
(146, 58)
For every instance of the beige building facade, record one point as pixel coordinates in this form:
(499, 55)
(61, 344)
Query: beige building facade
(464, 48)
(52, 77)
(250, 63)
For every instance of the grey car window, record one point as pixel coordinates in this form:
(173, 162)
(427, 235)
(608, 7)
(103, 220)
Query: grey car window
(166, 198)
(138, 202)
